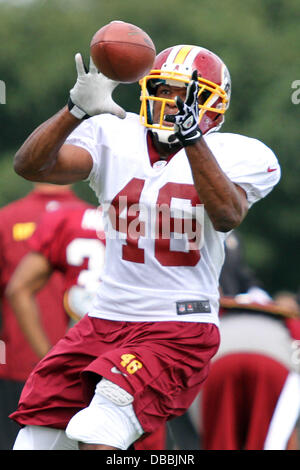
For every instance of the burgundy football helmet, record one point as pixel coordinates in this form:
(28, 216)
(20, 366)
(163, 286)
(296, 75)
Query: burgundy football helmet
(174, 66)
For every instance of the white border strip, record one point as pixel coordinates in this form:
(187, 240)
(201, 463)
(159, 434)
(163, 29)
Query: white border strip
(285, 415)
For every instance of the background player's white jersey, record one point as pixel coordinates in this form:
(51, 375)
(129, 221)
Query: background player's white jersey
(163, 256)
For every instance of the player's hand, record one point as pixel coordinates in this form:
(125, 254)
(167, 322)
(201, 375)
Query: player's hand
(92, 93)
(186, 120)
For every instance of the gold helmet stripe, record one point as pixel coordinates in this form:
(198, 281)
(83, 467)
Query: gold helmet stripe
(182, 54)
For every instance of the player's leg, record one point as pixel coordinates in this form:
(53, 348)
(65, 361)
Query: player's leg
(109, 422)
(153, 441)
(154, 382)
(43, 438)
(143, 386)
(53, 392)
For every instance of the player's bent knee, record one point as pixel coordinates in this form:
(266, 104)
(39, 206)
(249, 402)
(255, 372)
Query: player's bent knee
(109, 419)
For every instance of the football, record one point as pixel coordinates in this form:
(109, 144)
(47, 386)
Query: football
(122, 51)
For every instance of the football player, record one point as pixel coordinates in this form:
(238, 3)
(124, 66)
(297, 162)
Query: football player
(171, 188)
(18, 221)
(70, 241)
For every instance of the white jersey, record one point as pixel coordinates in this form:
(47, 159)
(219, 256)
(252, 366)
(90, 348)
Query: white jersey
(163, 255)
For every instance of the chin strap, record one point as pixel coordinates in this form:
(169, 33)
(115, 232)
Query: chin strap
(165, 137)
(167, 145)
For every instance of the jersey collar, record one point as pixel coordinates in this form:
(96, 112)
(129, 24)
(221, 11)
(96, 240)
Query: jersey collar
(152, 152)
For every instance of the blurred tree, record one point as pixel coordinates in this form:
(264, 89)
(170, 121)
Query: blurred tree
(258, 40)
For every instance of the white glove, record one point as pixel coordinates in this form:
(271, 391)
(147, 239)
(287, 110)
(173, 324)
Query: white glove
(92, 93)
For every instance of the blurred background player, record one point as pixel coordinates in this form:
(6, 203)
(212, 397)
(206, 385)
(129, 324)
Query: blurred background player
(236, 276)
(18, 221)
(251, 399)
(70, 241)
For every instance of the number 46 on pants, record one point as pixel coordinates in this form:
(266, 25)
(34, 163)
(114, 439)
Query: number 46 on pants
(130, 363)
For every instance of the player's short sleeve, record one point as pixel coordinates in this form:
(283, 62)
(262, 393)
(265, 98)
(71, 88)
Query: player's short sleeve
(247, 162)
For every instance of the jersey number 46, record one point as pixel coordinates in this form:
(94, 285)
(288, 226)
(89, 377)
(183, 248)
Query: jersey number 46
(176, 232)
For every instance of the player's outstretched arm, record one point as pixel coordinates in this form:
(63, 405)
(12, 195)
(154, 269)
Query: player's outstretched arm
(43, 157)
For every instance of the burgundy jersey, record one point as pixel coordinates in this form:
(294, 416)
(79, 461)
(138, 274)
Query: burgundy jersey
(18, 221)
(73, 241)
